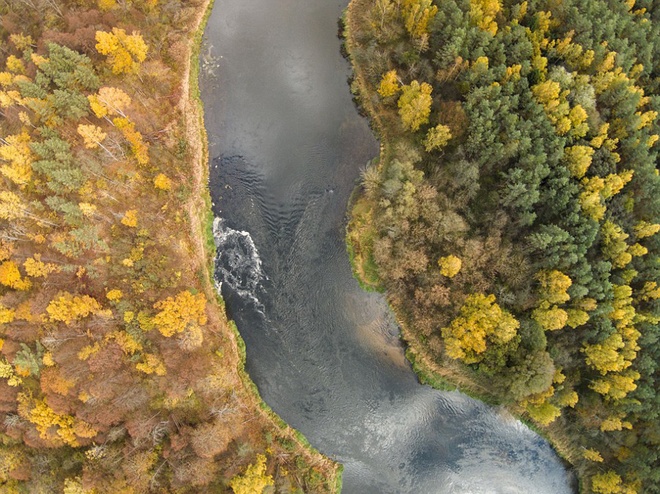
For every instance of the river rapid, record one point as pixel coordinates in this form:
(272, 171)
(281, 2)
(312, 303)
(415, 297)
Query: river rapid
(286, 147)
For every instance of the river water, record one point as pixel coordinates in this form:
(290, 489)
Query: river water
(286, 147)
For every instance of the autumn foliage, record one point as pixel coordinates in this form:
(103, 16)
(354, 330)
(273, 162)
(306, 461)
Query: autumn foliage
(118, 371)
(125, 52)
(180, 313)
(522, 138)
(481, 323)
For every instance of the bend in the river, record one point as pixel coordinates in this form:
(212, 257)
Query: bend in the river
(286, 145)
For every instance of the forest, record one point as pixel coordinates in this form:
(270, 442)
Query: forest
(512, 216)
(119, 371)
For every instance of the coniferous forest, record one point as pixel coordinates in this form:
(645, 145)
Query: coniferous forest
(119, 372)
(513, 216)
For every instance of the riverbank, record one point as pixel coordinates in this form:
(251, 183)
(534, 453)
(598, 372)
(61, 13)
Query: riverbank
(449, 375)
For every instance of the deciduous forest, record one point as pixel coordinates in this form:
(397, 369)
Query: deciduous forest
(513, 215)
(119, 371)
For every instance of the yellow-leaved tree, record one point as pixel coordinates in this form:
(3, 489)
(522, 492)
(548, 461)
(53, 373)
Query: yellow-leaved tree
(389, 84)
(553, 286)
(11, 206)
(92, 135)
(481, 323)
(130, 218)
(616, 386)
(578, 159)
(162, 182)
(52, 427)
(550, 318)
(437, 137)
(416, 15)
(68, 308)
(35, 267)
(254, 480)
(7, 315)
(606, 356)
(592, 455)
(450, 265)
(415, 104)
(607, 483)
(483, 13)
(10, 276)
(644, 229)
(615, 248)
(152, 365)
(125, 52)
(16, 153)
(138, 146)
(109, 101)
(180, 313)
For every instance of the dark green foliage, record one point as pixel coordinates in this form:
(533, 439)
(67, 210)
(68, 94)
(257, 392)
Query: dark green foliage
(505, 198)
(57, 165)
(67, 69)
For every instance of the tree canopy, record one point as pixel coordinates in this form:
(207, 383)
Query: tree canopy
(521, 153)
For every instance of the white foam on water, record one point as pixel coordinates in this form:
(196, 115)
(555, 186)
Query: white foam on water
(237, 262)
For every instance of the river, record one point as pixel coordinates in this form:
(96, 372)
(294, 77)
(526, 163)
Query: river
(286, 147)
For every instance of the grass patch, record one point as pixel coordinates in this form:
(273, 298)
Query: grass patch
(360, 235)
(426, 376)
